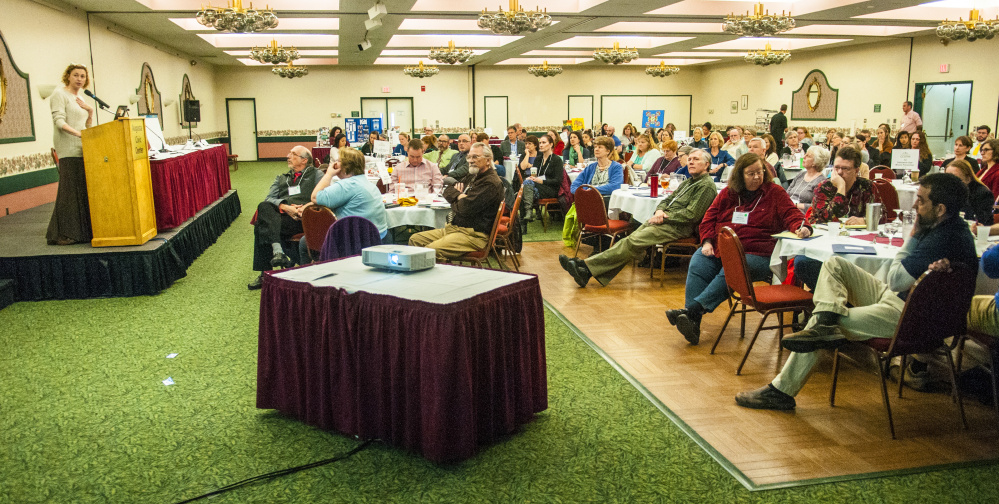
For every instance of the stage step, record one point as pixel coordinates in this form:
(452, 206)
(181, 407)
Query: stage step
(6, 293)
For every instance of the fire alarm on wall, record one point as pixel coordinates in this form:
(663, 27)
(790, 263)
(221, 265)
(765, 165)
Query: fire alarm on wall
(781, 81)
(423, 88)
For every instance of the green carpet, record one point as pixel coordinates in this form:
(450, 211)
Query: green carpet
(84, 416)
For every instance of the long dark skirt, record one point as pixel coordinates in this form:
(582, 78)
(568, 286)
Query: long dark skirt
(71, 216)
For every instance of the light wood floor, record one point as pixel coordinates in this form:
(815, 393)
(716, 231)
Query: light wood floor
(626, 320)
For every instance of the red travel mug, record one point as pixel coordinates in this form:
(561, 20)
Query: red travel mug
(654, 185)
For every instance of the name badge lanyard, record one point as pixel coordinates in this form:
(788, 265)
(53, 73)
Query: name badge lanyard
(743, 217)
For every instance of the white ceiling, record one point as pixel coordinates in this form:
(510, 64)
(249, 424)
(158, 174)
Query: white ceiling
(685, 32)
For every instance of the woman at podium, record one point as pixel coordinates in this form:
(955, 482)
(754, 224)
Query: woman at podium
(70, 115)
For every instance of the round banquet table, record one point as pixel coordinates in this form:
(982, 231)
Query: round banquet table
(906, 194)
(433, 216)
(319, 154)
(637, 202)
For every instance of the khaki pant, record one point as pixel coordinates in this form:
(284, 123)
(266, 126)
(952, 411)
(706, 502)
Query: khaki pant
(606, 265)
(875, 314)
(450, 242)
(983, 317)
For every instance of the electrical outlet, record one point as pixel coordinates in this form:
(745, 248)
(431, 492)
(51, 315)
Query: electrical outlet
(711, 111)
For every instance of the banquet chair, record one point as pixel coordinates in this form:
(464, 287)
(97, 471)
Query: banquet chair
(991, 344)
(683, 248)
(481, 256)
(503, 244)
(922, 329)
(347, 236)
(888, 197)
(55, 157)
(316, 222)
(381, 186)
(628, 155)
(765, 299)
(592, 217)
(886, 173)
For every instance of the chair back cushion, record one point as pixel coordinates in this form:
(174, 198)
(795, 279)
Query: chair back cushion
(936, 308)
(316, 222)
(590, 209)
(888, 197)
(733, 259)
(885, 172)
(347, 236)
(565, 197)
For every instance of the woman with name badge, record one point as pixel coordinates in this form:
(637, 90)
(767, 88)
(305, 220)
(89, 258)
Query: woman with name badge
(720, 159)
(756, 209)
(544, 178)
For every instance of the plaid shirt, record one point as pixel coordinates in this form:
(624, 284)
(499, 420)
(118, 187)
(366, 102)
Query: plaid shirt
(827, 205)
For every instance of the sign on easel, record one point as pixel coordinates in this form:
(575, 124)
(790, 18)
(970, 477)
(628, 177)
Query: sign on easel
(905, 159)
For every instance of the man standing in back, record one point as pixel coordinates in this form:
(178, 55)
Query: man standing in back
(910, 119)
(778, 127)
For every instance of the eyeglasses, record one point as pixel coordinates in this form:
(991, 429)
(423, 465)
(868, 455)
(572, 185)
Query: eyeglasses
(985, 150)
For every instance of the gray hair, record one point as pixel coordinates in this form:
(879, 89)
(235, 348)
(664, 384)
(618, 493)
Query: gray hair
(705, 155)
(761, 140)
(304, 154)
(791, 134)
(685, 149)
(486, 151)
(819, 154)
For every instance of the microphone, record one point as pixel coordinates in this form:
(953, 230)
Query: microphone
(98, 100)
(163, 149)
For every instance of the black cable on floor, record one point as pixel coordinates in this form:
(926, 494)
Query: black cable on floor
(282, 472)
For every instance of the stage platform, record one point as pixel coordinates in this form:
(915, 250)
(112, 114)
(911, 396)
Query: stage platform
(41, 271)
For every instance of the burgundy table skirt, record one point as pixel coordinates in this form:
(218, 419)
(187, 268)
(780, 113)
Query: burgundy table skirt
(184, 185)
(319, 154)
(435, 379)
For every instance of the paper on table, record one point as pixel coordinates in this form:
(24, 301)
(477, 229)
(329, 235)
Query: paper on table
(790, 235)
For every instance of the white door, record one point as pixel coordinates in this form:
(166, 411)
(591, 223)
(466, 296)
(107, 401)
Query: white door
(243, 128)
(494, 111)
(581, 106)
(946, 110)
(400, 113)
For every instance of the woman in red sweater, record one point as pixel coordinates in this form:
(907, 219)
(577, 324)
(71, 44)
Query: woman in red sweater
(755, 208)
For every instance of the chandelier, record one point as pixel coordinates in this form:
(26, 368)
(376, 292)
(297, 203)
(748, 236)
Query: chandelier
(615, 55)
(544, 70)
(450, 55)
(515, 21)
(274, 54)
(290, 71)
(662, 70)
(767, 57)
(760, 24)
(421, 71)
(972, 29)
(234, 18)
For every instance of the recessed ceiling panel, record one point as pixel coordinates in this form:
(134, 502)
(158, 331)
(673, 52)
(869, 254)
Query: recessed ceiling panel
(856, 30)
(555, 52)
(277, 5)
(937, 11)
(725, 7)
(551, 61)
(661, 27)
(413, 61)
(440, 25)
(257, 39)
(787, 44)
(285, 24)
(301, 52)
(700, 54)
(421, 52)
(566, 6)
(668, 61)
(625, 41)
(442, 40)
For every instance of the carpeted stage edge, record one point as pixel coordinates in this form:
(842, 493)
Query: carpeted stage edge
(117, 273)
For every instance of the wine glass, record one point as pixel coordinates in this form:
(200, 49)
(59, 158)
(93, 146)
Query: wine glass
(891, 228)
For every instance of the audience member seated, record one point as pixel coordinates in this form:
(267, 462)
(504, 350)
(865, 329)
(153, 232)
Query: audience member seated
(339, 142)
(758, 146)
(772, 156)
(804, 137)
(978, 207)
(474, 201)
(609, 131)
(429, 144)
(982, 133)
(902, 140)
(989, 174)
(698, 139)
(962, 145)
(735, 146)
(843, 197)
(588, 139)
(851, 304)
(983, 317)
(868, 154)
(575, 153)
(606, 174)
(352, 194)
(628, 137)
(417, 170)
(676, 217)
(644, 156)
(884, 146)
(802, 187)
(720, 158)
(667, 164)
(865, 169)
(457, 168)
(755, 208)
(444, 153)
(512, 146)
(530, 152)
(498, 163)
(368, 149)
(925, 156)
(549, 176)
(791, 145)
(279, 216)
(681, 154)
(400, 149)
(835, 141)
(557, 143)
(662, 135)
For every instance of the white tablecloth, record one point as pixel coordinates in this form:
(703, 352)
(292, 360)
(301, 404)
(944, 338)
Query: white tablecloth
(573, 173)
(906, 194)
(820, 248)
(634, 201)
(417, 216)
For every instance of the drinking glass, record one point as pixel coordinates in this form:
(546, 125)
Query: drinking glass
(664, 182)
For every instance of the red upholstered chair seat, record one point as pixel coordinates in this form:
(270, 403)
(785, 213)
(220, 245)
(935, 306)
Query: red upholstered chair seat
(613, 226)
(769, 297)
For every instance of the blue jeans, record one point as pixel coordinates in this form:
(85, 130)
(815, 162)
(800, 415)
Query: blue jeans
(706, 279)
(806, 270)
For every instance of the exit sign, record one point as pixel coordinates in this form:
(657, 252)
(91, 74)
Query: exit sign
(944, 68)
(385, 89)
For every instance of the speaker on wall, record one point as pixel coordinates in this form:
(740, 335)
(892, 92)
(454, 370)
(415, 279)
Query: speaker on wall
(192, 111)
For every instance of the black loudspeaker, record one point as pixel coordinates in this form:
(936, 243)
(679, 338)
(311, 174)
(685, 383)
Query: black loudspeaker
(192, 111)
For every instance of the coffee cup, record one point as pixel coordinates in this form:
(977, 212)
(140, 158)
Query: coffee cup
(534, 171)
(983, 233)
(834, 230)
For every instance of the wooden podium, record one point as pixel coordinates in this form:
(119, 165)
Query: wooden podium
(119, 185)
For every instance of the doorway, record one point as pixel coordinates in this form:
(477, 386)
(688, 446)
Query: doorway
(496, 115)
(945, 108)
(393, 112)
(241, 119)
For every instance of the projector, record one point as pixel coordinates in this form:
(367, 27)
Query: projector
(399, 257)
